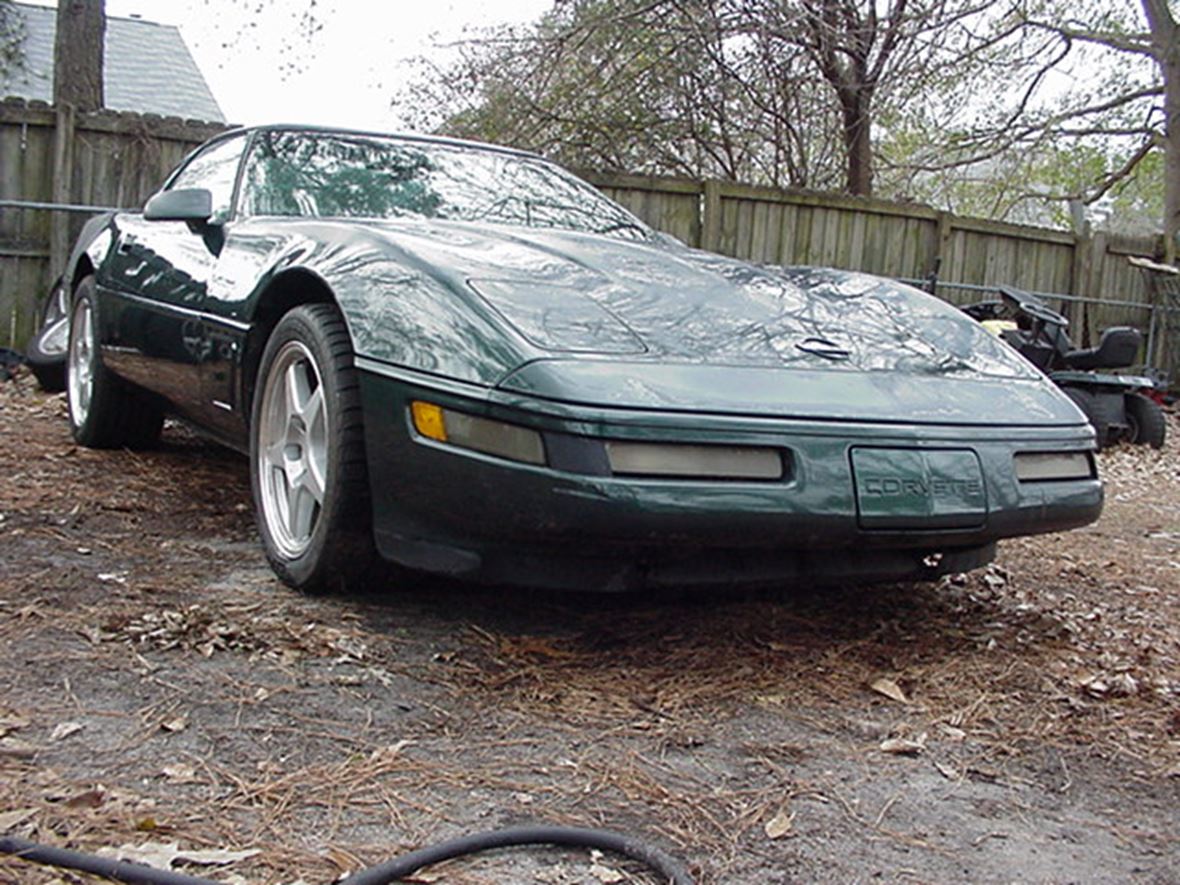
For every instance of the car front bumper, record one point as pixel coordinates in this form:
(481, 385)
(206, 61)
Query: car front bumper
(457, 512)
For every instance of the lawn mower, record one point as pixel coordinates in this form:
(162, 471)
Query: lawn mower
(1120, 407)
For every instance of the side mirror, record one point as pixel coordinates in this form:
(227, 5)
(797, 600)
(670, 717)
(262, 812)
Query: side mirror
(194, 205)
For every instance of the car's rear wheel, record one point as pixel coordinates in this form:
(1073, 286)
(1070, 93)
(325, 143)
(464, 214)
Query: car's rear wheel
(46, 350)
(307, 454)
(1146, 421)
(104, 411)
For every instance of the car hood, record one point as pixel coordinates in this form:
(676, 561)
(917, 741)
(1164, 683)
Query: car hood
(637, 323)
(582, 294)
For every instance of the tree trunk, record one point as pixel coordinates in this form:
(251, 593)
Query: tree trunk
(78, 54)
(858, 143)
(1165, 38)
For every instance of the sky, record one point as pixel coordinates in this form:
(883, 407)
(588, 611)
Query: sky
(263, 68)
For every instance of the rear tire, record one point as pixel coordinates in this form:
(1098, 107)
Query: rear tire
(47, 367)
(105, 412)
(307, 455)
(47, 349)
(1146, 420)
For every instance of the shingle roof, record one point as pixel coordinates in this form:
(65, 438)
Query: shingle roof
(148, 68)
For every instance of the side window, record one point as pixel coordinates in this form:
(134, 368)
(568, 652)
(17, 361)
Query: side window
(272, 183)
(216, 170)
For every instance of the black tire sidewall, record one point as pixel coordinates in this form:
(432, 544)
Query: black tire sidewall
(1086, 401)
(92, 431)
(339, 542)
(119, 415)
(49, 369)
(1149, 423)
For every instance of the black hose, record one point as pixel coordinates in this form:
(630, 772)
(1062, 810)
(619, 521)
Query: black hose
(116, 870)
(575, 837)
(390, 871)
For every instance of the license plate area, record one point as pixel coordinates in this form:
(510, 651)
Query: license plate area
(918, 489)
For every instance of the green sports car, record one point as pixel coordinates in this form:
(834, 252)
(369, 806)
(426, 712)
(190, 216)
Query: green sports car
(463, 360)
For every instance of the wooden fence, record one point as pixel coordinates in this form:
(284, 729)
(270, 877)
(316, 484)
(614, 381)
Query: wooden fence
(1096, 285)
(108, 159)
(50, 155)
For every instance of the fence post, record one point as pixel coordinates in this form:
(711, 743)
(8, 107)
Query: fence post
(63, 178)
(1080, 276)
(942, 246)
(711, 220)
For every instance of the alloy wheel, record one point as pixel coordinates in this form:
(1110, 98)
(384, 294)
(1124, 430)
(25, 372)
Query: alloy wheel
(292, 448)
(81, 362)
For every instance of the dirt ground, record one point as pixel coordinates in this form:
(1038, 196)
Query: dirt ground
(1021, 723)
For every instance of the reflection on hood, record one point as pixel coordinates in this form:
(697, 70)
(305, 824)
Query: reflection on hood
(595, 295)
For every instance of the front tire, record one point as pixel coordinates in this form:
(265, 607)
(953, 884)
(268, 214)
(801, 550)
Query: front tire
(307, 454)
(1146, 421)
(105, 412)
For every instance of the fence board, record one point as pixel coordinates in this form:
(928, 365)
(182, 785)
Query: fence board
(117, 160)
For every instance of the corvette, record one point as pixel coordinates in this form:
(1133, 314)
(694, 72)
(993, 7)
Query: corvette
(463, 360)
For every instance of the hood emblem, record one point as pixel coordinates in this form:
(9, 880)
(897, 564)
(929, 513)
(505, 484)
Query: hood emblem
(823, 347)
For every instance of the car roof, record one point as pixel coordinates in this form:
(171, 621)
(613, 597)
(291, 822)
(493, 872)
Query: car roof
(403, 136)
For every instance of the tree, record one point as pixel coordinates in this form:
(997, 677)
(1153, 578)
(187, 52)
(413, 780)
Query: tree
(12, 36)
(862, 48)
(78, 54)
(1158, 100)
(1165, 50)
(780, 91)
(1012, 109)
(1096, 142)
(618, 84)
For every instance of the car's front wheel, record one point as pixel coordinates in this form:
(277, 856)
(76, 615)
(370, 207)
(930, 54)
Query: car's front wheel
(307, 454)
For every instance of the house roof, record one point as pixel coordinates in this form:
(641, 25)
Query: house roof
(148, 68)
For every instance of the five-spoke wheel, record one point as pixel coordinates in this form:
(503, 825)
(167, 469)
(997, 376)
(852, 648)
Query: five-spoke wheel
(307, 453)
(292, 448)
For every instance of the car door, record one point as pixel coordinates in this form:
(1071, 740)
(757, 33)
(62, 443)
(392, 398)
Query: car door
(156, 284)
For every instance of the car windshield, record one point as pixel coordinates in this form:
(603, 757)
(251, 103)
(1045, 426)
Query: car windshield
(364, 176)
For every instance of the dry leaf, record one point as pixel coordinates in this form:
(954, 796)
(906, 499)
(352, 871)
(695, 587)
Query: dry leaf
(606, 874)
(165, 855)
(88, 799)
(11, 722)
(904, 746)
(14, 818)
(390, 752)
(955, 734)
(781, 824)
(890, 689)
(64, 729)
(153, 854)
(180, 773)
(16, 748)
(211, 857)
(948, 771)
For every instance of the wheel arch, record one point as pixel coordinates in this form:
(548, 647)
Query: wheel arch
(286, 290)
(82, 269)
